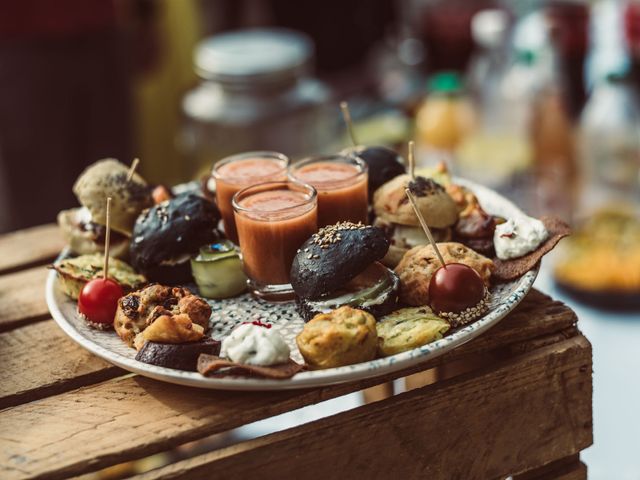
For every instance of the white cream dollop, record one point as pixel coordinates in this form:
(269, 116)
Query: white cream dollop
(255, 345)
(518, 236)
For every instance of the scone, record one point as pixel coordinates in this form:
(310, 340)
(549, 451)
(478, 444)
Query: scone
(391, 204)
(342, 337)
(177, 310)
(420, 263)
(409, 328)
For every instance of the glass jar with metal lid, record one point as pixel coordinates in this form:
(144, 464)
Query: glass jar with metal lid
(256, 94)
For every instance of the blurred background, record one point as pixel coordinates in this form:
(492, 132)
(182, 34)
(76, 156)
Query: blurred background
(539, 100)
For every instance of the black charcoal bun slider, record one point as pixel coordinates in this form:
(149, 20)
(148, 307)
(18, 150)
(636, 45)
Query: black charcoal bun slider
(166, 235)
(339, 266)
(383, 164)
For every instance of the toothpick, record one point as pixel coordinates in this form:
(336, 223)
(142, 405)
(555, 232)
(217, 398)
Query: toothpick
(412, 161)
(132, 169)
(107, 238)
(424, 225)
(346, 114)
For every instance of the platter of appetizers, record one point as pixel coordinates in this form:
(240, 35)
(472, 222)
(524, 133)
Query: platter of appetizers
(271, 275)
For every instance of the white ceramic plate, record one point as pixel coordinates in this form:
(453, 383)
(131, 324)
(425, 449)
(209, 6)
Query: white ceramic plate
(228, 313)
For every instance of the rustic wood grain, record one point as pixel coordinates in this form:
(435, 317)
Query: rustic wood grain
(95, 423)
(22, 298)
(511, 417)
(19, 349)
(26, 248)
(39, 360)
(568, 468)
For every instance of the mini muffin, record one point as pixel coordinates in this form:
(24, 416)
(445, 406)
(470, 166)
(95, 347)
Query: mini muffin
(409, 328)
(420, 263)
(391, 204)
(342, 337)
(175, 308)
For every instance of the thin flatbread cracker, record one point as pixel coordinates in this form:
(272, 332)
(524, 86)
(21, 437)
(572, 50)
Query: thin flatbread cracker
(506, 270)
(212, 365)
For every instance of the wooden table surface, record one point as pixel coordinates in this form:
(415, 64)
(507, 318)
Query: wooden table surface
(516, 401)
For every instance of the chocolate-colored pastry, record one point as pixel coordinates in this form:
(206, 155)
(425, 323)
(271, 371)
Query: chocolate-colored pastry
(383, 163)
(475, 229)
(166, 235)
(335, 255)
(339, 266)
(181, 356)
(211, 365)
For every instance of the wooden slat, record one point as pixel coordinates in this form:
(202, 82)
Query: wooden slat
(26, 248)
(22, 298)
(568, 468)
(511, 417)
(39, 360)
(63, 375)
(148, 416)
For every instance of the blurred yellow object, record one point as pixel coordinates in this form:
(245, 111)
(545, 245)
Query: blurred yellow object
(492, 158)
(603, 255)
(158, 94)
(443, 121)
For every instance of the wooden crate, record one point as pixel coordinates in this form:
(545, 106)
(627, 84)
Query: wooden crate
(516, 401)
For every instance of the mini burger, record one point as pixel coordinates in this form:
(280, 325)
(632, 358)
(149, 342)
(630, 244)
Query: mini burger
(383, 164)
(168, 234)
(340, 266)
(84, 227)
(396, 217)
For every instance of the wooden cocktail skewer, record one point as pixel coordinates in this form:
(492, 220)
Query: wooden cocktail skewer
(107, 239)
(412, 161)
(424, 225)
(132, 169)
(346, 114)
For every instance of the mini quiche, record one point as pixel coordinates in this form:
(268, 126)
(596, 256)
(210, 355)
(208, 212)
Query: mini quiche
(75, 272)
(409, 328)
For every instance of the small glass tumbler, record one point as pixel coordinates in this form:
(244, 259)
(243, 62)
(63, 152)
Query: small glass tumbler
(273, 220)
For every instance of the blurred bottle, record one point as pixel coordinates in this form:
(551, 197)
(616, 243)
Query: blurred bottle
(444, 27)
(569, 25)
(554, 156)
(498, 149)
(443, 119)
(632, 37)
(610, 144)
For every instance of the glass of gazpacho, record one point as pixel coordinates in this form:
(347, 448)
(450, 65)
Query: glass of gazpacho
(341, 182)
(273, 220)
(236, 172)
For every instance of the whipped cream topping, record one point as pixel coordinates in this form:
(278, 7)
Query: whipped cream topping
(518, 236)
(255, 345)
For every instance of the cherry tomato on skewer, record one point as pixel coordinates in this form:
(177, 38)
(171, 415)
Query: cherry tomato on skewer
(98, 301)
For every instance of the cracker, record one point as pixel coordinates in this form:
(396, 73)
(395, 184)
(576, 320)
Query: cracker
(506, 270)
(212, 365)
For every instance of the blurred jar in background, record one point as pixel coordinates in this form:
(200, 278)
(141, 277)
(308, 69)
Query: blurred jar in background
(610, 145)
(443, 119)
(256, 94)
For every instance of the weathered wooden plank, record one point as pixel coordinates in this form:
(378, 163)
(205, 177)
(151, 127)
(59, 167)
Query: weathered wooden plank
(26, 248)
(22, 298)
(95, 423)
(39, 360)
(24, 346)
(568, 468)
(510, 417)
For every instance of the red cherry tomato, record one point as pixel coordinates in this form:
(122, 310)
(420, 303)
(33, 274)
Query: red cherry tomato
(455, 288)
(98, 300)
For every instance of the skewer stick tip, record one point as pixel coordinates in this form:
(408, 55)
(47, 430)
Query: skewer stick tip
(132, 169)
(346, 115)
